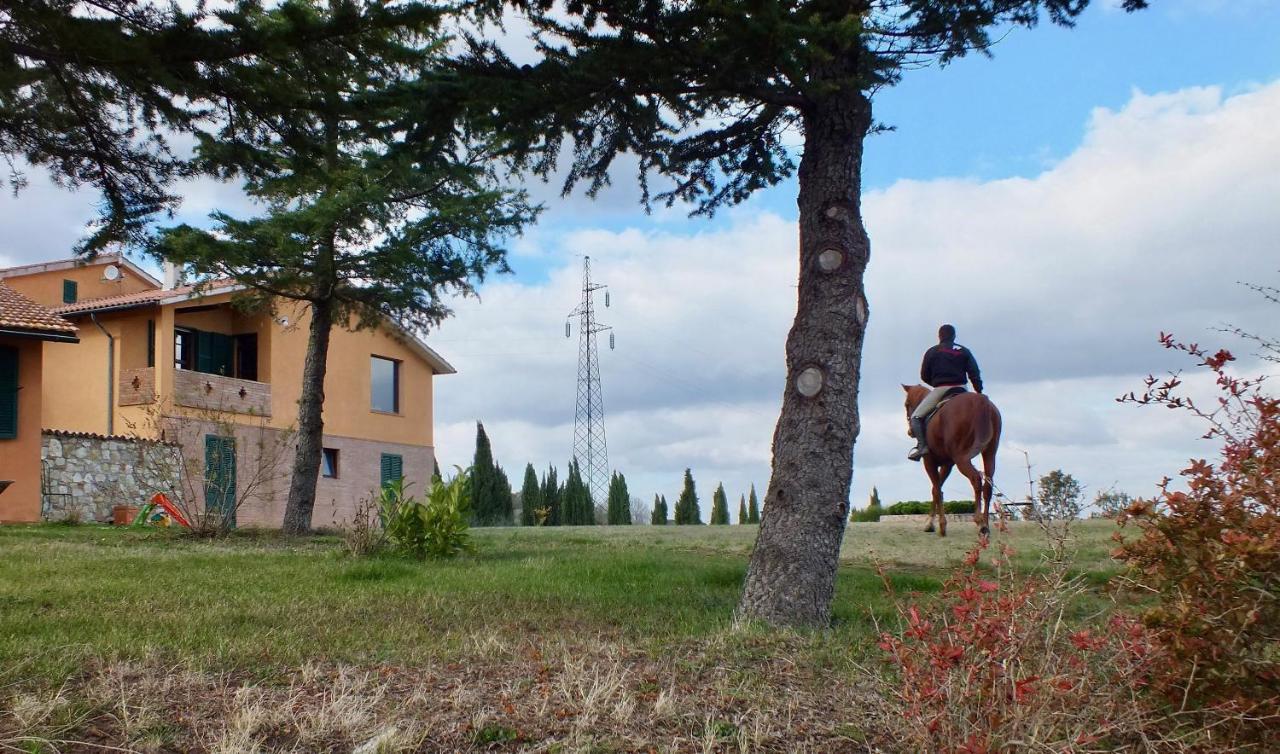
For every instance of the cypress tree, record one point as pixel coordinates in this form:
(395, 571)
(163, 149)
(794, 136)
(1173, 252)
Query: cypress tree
(719, 506)
(659, 515)
(503, 512)
(746, 73)
(742, 510)
(530, 497)
(753, 507)
(484, 481)
(552, 499)
(687, 511)
(578, 510)
(619, 501)
(875, 499)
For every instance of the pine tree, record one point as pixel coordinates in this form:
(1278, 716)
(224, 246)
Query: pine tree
(552, 498)
(687, 511)
(530, 497)
(746, 75)
(719, 506)
(619, 501)
(359, 228)
(742, 509)
(753, 507)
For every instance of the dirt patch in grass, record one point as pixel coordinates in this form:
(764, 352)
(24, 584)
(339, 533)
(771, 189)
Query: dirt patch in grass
(740, 691)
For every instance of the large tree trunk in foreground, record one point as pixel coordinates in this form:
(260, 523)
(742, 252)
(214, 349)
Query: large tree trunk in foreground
(792, 574)
(306, 464)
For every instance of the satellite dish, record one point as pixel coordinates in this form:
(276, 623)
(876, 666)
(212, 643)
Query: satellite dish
(111, 272)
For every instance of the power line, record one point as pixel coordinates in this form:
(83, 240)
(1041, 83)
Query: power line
(589, 445)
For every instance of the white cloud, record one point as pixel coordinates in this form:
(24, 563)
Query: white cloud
(1059, 282)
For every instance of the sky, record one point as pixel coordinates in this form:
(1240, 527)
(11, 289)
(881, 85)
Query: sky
(1062, 203)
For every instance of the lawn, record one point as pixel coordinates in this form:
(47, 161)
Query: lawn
(573, 639)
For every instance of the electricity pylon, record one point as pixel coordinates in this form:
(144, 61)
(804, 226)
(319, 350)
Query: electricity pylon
(589, 445)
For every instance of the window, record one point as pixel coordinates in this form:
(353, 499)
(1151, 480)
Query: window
(246, 348)
(69, 291)
(392, 468)
(151, 342)
(8, 393)
(184, 349)
(329, 463)
(385, 385)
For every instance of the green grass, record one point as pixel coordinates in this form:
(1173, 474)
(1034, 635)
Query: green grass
(257, 600)
(593, 638)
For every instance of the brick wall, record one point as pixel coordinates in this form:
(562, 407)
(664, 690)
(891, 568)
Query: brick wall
(137, 386)
(218, 393)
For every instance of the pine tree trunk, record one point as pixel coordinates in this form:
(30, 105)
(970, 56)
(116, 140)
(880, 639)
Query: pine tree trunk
(791, 577)
(306, 463)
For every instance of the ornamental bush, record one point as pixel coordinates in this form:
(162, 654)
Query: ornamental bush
(434, 529)
(1210, 553)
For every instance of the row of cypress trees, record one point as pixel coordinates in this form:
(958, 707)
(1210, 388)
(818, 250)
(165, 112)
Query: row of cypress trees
(687, 511)
(547, 502)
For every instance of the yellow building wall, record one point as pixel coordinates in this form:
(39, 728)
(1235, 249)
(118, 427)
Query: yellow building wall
(20, 457)
(76, 381)
(45, 288)
(347, 410)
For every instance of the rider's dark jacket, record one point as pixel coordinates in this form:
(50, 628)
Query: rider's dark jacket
(950, 364)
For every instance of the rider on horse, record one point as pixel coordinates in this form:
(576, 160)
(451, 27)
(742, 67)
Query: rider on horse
(946, 366)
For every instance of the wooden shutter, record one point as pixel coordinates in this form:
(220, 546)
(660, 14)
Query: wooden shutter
(220, 475)
(8, 392)
(70, 291)
(392, 467)
(151, 342)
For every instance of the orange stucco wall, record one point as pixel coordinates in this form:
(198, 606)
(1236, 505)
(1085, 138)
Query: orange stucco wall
(20, 457)
(45, 288)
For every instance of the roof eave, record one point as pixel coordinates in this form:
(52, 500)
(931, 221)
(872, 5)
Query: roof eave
(49, 335)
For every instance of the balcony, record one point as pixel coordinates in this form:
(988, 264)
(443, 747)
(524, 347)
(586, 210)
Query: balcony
(210, 392)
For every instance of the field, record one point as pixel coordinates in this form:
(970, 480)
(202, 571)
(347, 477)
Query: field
(574, 639)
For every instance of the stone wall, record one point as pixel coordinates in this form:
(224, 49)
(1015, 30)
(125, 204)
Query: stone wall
(85, 475)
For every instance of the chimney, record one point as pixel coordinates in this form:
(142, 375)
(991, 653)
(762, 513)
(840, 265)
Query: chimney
(172, 276)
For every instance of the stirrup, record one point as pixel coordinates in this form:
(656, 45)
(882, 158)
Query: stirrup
(917, 453)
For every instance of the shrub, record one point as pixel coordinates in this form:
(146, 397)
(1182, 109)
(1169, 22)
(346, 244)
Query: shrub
(437, 528)
(992, 666)
(865, 516)
(916, 507)
(1211, 554)
(364, 536)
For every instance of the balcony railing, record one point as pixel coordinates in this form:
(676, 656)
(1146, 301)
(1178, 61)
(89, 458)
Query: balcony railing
(215, 392)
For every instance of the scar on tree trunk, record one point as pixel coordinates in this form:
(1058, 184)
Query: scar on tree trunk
(306, 463)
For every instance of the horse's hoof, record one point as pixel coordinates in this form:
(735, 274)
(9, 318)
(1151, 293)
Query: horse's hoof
(984, 531)
(928, 529)
(941, 533)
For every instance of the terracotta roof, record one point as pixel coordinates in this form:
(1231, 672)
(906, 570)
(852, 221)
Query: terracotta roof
(17, 312)
(66, 264)
(96, 436)
(143, 298)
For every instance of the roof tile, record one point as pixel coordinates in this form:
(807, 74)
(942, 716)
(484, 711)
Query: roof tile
(21, 313)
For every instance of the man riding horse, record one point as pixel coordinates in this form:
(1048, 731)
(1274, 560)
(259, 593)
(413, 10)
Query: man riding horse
(945, 367)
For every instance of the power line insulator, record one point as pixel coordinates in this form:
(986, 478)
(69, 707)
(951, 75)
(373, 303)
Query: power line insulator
(566, 329)
(611, 341)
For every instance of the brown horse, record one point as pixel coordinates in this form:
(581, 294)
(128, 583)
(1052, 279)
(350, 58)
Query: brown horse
(967, 425)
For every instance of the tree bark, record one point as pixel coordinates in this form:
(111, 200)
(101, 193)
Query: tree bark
(791, 577)
(306, 462)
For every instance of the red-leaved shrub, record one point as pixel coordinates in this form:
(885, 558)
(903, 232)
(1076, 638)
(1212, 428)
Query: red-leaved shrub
(1210, 554)
(994, 665)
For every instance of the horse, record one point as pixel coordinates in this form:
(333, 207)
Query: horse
(967, 425)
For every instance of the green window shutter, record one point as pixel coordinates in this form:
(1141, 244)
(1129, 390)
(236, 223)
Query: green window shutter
(8, 393)
(223, 353)
(151, 342)
(70, 289)
(204, 351)
(392, 467)
(220, 475)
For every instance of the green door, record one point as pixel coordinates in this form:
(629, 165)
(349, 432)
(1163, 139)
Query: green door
(220, 478)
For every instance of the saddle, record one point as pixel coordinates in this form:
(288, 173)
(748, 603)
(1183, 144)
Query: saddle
(953, 392)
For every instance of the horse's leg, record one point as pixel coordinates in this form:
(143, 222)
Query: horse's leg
(975, 478)
(988, 484)
(938, 509)
(935, 484)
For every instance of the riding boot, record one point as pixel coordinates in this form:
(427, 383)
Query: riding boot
(922, 444)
